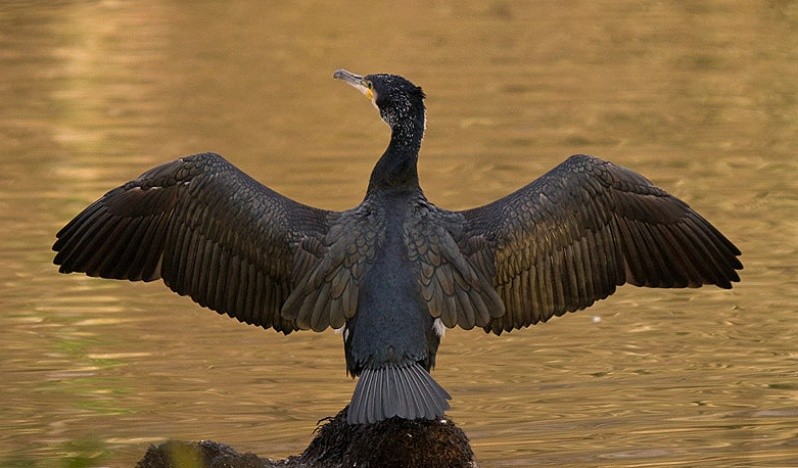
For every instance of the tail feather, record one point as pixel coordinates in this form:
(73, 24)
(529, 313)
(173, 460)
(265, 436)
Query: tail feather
(408, 392)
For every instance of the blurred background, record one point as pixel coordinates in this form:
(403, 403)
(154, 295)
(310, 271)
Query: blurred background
(700, 97)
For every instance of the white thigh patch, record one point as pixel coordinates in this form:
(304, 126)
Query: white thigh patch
(439, 327)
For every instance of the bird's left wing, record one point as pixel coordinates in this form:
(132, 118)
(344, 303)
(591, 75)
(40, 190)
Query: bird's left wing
(204, 227)
(575, 234)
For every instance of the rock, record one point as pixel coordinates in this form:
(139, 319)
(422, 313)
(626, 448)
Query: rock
(203, 454)
(394, 442)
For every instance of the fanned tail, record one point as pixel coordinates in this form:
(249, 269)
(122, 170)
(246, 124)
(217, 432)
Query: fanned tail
(407, 391)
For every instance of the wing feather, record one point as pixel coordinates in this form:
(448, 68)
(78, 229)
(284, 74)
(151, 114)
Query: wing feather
(454, 274)
(204, 227)
(574, 235)
(327, 286)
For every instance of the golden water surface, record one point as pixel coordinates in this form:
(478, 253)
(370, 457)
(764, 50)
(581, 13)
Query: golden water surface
(701, 97)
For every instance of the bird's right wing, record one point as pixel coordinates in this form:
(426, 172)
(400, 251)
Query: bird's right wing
(204, 227)
(569, 238)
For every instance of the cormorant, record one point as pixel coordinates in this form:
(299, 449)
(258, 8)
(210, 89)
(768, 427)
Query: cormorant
(396, 269)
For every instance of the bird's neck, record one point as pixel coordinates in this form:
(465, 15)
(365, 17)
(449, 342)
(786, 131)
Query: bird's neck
(397, 168)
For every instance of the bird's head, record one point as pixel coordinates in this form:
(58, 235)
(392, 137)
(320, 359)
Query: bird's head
(398, 100)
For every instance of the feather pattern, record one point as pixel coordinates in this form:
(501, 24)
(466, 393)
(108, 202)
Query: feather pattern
(405, 391)
(204, 227)
(452, 286)
(575, 234)
(327, 281)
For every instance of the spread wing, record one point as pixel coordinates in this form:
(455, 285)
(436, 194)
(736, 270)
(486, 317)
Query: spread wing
(574, 235)
(452, 275)
(327, 277)
(204, 227)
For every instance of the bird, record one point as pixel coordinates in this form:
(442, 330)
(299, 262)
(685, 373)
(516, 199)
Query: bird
(394, 272)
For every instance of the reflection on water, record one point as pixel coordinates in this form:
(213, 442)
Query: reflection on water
(701, 98)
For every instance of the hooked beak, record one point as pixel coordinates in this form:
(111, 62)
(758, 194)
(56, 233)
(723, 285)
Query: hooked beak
(357, 81)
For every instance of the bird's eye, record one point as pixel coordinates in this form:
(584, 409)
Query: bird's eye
(369, 85)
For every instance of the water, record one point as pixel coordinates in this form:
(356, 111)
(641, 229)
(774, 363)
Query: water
(701, 98)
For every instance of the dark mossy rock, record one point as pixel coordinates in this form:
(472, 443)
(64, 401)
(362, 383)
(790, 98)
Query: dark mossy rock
(204, 454)
(391, 443)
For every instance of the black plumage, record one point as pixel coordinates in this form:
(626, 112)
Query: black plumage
(396, 269)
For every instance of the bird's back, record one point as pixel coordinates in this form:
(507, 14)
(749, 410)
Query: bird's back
(391, 341)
